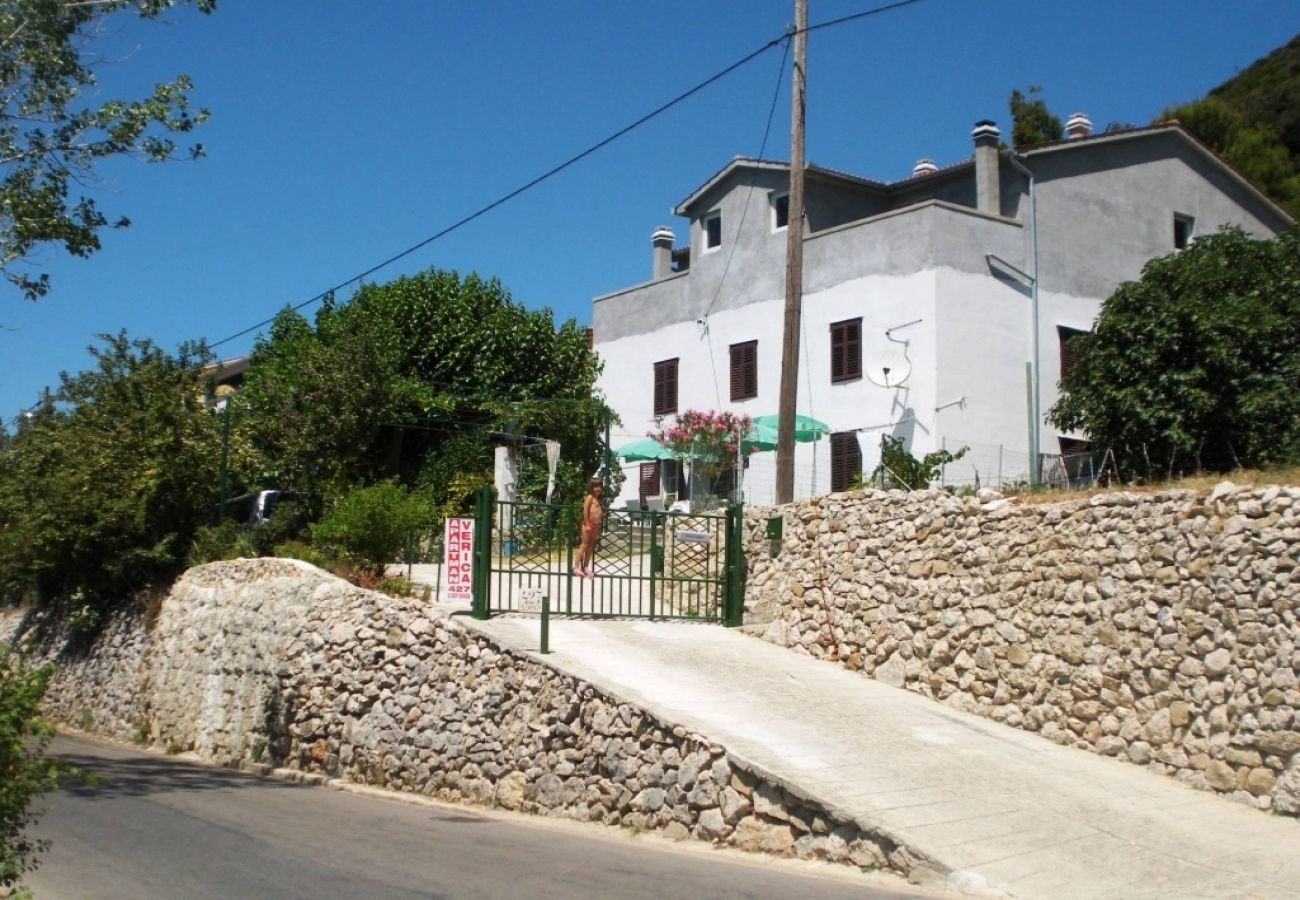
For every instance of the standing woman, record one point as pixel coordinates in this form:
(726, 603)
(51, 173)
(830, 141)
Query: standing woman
(592, 514)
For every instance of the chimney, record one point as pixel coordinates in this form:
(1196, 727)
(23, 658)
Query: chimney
(988, 189)
(924, 167)
(662, 240)
(1078, 126)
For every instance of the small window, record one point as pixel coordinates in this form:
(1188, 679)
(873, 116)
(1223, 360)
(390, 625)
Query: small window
(1184, 231)
(1069, 348)
(846, 350)
(669, 475)
(846, 460)
(712, 231)
(744, 370)
(780, 211)
(665, 398)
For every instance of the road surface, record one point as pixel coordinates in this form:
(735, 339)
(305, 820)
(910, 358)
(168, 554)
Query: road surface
(162, 827)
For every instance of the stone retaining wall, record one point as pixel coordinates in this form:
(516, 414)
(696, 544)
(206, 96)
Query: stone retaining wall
(1158, 628)
(276, 663)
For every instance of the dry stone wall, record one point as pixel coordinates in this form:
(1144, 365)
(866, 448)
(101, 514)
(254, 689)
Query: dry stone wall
(1159, 628)
(275, 663)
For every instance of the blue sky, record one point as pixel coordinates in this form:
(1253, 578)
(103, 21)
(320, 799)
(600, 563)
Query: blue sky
(343, 132)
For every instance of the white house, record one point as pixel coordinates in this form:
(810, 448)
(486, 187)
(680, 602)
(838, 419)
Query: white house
(921, 316)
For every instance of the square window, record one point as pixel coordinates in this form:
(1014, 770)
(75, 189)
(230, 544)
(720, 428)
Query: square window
(744, 370)
(846, 350)
(780, 211)
(665, 396)
(1184, 230)
(712, 225)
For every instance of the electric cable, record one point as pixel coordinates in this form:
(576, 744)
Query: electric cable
(784, 38)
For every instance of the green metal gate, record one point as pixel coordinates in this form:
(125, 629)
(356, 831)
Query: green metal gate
(653, 565)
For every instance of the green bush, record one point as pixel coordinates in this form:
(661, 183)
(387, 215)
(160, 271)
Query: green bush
(900, 469)
(224, 540)
(24, 770)
(305, 552)
(369, 526)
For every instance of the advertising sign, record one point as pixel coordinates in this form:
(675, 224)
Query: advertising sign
(458, 540)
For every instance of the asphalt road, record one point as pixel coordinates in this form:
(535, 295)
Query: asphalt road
(161, 827)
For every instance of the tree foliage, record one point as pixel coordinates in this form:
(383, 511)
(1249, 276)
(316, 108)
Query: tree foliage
(417, 379)
(1196, 365)
(52, 135)
(370, 526)
(102, 489)
(25, 772)
(1032, 122)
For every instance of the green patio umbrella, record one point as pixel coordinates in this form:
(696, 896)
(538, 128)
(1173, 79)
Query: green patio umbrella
(644, 450)
(806, 429)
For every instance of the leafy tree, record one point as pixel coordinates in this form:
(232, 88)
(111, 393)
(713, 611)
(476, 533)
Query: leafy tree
(51, 138)
(24, 770)
(900, 469)
(1268, 93)
(102, 490)
(1195, 366)
(416, 379)
(1032, 122)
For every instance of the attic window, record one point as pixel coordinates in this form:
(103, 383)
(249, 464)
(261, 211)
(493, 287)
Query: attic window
(1184, 229)
(780, 211)
(712, 226)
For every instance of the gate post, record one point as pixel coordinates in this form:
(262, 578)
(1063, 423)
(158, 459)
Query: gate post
(479, 579)
(734, 591)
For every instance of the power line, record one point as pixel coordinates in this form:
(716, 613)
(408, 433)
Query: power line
(569, 162)
(519, 190)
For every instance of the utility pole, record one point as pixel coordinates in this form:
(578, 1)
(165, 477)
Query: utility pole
(793, 266)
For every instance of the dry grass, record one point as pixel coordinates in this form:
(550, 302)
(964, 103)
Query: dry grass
(1287, 476)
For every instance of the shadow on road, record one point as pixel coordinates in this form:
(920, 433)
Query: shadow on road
(140, 777)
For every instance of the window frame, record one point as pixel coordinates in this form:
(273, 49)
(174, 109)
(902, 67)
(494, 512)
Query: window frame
(706, 223)
(849, 349)
(1184, 230)
(743, 369)
(774, 199)
(665, 381)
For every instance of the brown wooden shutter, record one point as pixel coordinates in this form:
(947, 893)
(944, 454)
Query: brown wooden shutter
(846, 350)
(649, 486)
(1069, 349)
(665, 395)
(744, 370)
(846, 460)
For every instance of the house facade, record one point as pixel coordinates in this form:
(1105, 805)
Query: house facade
(934, 308)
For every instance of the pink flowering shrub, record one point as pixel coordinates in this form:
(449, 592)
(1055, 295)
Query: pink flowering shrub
(707, 436)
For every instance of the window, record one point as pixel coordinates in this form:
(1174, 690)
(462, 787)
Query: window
(846, 350)
(846, 460)
(649, 482)
(670, 471)
(712, 225)
(1184, 229)
(1069, 349)
(744, 370)
(665, 401)
(780, 211)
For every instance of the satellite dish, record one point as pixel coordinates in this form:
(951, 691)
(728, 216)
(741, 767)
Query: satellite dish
(889, 369)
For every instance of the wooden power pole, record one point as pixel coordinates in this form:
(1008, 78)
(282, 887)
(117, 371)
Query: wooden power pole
(793, 267)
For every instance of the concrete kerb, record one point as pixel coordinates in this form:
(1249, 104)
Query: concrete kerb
(918, 867)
